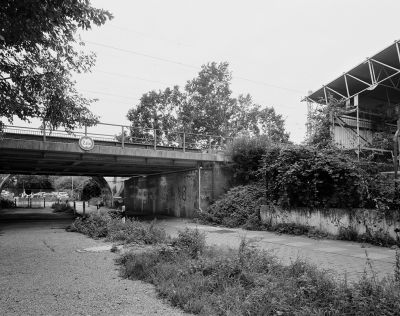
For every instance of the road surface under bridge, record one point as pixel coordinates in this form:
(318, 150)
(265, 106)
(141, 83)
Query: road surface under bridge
(36, 151)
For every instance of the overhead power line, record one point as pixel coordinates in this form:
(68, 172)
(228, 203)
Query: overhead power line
(191, 66)
(129, 76)
(109, 94)
(143, 55)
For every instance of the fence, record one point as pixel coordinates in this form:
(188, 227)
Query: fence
(36, 202)
(127, 136)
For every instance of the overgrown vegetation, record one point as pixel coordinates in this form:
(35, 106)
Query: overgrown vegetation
(62, 207)
(291, 176)
(247, 153)
(238, 207)
(379, 238)
(300, 176)
(250, 282)
(102, 224)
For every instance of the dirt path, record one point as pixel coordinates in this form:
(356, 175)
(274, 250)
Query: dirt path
(42, 273)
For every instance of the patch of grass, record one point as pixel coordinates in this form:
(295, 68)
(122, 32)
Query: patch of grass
(251, 282)
(102, 224)
(132, 231)
(296, 229)
(378, 238)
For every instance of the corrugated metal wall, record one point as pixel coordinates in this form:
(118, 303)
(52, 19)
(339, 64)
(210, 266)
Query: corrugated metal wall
(345, 132)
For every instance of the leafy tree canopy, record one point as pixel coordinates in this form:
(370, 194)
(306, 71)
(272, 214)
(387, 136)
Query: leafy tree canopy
(39, 51)
(206, 106)
(28, 182)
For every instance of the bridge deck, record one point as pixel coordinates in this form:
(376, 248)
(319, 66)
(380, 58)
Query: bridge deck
(30, 154)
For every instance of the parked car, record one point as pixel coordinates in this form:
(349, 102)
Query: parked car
(63, 195)
(38, 194)
(49, 196)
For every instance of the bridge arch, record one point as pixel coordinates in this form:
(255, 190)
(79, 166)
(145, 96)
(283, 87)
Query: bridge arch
(105, 188)
(3, 180)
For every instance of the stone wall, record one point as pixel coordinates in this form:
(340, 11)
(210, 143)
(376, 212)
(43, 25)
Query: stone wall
(336, 221)
(175, 194)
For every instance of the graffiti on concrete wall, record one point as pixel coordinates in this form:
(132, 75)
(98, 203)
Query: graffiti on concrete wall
(182, 192)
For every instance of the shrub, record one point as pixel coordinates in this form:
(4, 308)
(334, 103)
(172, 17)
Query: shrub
(300, 176)
(247, 153)
(62, 207)
(102, 224)
(238, 207)
(95, 225)
(191, 241)
(132, 231)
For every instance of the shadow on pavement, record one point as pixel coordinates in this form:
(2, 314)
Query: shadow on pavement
(17, 215)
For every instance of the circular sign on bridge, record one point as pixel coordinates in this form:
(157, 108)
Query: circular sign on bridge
(86, 143)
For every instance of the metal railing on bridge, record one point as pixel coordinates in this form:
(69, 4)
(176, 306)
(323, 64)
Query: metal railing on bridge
(126, 136)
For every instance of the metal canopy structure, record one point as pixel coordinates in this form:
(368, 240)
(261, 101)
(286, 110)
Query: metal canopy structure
(376, 79)
(368, 99)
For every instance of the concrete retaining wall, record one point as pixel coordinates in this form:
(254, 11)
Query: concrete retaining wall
(175, 194)
(331, 221)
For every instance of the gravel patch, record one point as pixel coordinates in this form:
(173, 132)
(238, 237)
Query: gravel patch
(42, 273)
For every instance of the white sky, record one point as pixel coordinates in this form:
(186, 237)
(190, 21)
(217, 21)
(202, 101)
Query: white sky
(296, 45)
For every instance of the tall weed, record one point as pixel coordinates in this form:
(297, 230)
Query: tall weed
(251, 282)
(102, 224)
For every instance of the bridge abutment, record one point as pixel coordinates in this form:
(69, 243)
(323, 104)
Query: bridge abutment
(176, 194)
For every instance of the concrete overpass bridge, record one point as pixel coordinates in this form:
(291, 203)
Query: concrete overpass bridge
(170, 173)
(27, 150)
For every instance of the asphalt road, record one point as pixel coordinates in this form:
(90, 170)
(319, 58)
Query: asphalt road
(45, 270)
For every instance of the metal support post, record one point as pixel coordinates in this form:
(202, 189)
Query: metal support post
(83, 209)
(85, 130)
(184, 142)
(44, 130)
(199, 191)
(395, 154)
(155, 138)
(358, 126)
(396, 145)
(44, 202)
(123, 137)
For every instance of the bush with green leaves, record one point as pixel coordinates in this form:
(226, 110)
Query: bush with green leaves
(103, 224)
(300, 176)
(247, 153)
(191, 241)
(238, 207)
(62, 207)
(95, 225)
(132, 231)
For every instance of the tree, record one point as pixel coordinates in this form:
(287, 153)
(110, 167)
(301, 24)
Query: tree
(158, 110)
(64, 183)
(38, 55)
(28, 182)
(209, 105)
(206, 106)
